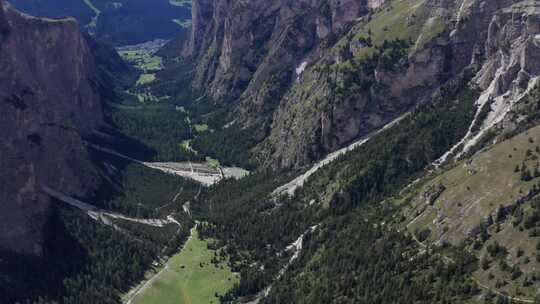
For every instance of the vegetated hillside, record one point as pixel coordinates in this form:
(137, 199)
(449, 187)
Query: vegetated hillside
(74, 222)
(112, 70)
(376, 227)
(342, 197)
(439, 207)
(310, 77)
(90, 258)
(488, 201)
(117, 22)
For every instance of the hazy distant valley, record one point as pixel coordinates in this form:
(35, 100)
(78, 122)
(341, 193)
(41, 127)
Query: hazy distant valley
(117, 22)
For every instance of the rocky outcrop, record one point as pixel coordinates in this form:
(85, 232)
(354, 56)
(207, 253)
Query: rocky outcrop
(310, 77)
(348, 94)
(324, 110)
(3, 19)
(281, 62)
(201, 20)
(248, 51)
(433, 193)
(49, 102)
(505, 45)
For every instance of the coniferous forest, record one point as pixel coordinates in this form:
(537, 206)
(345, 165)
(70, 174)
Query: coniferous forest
(270, 152)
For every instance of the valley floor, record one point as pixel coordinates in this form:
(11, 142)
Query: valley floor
(204, 173)
(188, 277)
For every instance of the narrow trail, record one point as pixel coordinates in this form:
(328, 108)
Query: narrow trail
(291, 187)
(147, 283)
(198, 193)
(177, 195)
(104, 215)
(174, 199)
(296, 248)
(513, 299)
(483, 286)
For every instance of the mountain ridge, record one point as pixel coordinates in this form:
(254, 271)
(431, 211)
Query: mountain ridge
(313, 97)
(395, 147)
(50, 102)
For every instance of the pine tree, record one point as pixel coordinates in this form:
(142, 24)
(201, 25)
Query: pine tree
(525, 174)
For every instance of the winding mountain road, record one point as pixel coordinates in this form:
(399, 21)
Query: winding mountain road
(104, 215)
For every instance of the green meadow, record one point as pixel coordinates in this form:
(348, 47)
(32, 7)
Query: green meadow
(189, 277)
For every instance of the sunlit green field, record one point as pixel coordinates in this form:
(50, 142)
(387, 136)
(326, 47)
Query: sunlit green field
(143, 60)
(190, 277)
(200, 128)
(145, 78)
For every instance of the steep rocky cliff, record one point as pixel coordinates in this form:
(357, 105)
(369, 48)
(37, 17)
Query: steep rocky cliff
(49, 102)
(4, 26)
(312, 76)
(295, 69)
(504, 40)
(380, 69)
(249, 50)
(474, 66)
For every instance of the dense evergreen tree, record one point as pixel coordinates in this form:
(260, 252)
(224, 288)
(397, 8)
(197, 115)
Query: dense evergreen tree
(350, 257)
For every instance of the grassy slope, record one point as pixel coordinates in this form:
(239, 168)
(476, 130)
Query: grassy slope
(193, 283)
(143, 60)
(475, 188)
(149, 65)
(146, 78)
(401, 19)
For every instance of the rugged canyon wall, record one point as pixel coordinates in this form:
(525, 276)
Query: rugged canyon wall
(312, 76)
(3, 20)
(502, 38)
(49, 102)
(248, 51)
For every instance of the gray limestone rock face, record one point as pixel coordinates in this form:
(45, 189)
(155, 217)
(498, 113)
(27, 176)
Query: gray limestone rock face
(271, 59)
(49, 102)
